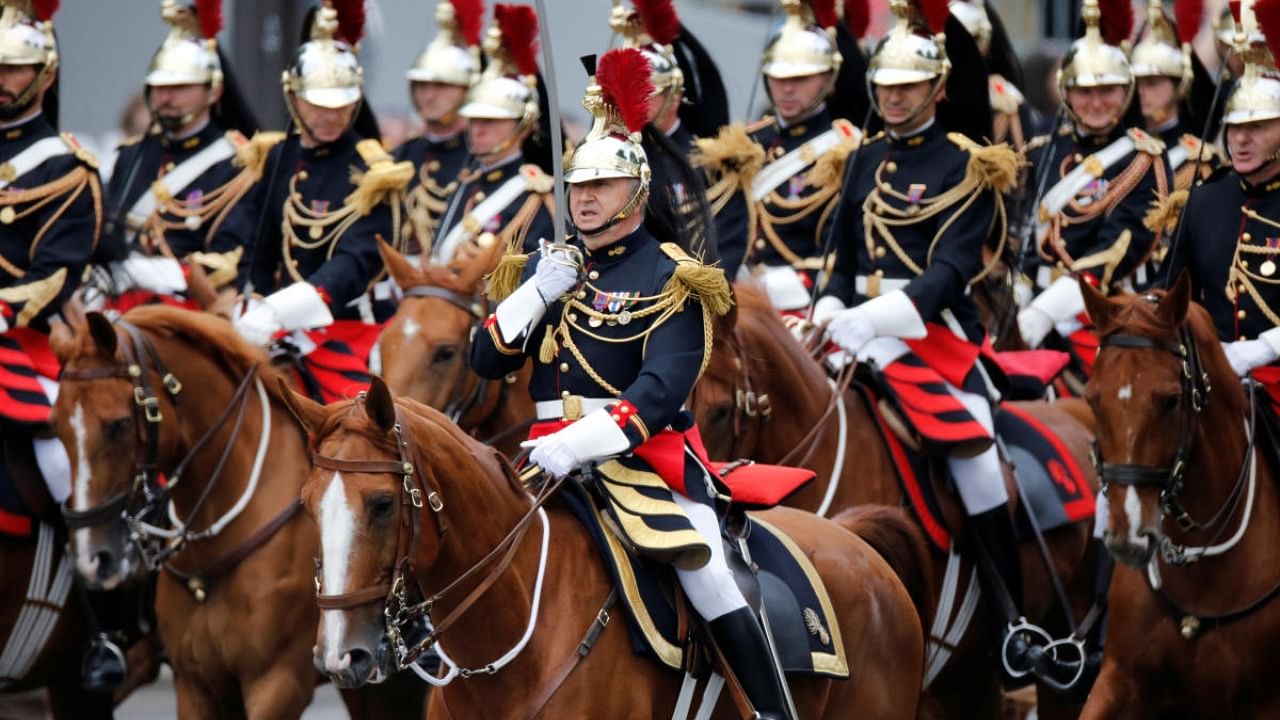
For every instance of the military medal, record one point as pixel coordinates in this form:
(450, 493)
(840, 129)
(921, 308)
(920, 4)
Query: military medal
(624, 317)
(7, 215)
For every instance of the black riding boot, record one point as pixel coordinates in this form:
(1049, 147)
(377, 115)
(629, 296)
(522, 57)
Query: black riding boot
(104, 668)
(743, 643)
(994, 535)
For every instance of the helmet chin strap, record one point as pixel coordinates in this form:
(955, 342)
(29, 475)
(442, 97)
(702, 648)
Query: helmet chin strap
(291, 101)
(627, 211)
(171, 124)
(915, 114)
(818, 99)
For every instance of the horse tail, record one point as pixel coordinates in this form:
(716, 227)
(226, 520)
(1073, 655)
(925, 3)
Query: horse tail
(898, 539)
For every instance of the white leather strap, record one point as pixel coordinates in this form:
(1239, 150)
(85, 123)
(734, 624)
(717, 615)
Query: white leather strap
(1069, 187)
(33, 157)
(480, 216)
(789, 165)
(181, 176)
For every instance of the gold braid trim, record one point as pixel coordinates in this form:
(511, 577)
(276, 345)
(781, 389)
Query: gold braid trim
(504, 278)
(252, 154)
(1165, 212)
(1109, 259)
(68, 188)
(171, 215)
(220, 267)
(35, 295)
(692, 278)
(993, 166)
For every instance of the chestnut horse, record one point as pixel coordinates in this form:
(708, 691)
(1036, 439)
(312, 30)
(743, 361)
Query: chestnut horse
(173, 421)
(470, 510)
(424, 348)
(763, 397)
(1193, 518)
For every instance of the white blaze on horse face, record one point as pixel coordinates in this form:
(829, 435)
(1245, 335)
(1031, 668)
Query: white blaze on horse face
(1133, 514)
(337, 530)
(86, 562)
(1126, 392)
(410, 328)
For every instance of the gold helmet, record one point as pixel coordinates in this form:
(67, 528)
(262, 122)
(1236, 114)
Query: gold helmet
(453, 57)
(508, 87)
(1160, 53)
(652, 27)
(26, 38)
(325, 70)
(618, 98)
(1256, 96)
(914, 50)
(972, 14)
(1097, 59)
(189, 55)
(806, 42)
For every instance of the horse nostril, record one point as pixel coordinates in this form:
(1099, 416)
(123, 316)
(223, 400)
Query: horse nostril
(361, 663)
(105, 564)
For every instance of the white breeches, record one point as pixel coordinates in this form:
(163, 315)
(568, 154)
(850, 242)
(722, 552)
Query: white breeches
(710, 588)
(979, 479)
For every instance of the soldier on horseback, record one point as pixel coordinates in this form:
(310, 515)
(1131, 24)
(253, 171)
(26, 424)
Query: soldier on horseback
(918, 210)
(618, 322)
(314, 221)
(438, 84)
(174, 187)
(50, 222)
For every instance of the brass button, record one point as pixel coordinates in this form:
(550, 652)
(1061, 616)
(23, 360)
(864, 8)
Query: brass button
(879, 272)
(881, 252)
(616, 417)
(1240, 314)
(565, 393)
(169, 166)
(1243, 337)
(1244, 264)
(891, 167)
(1246, 237)
(580, 294)
(624, 409)
(302, 175)
(593, 275)
(564, 367)
(1078, 158)
(573, 317)
(479, 196)
(760, 244)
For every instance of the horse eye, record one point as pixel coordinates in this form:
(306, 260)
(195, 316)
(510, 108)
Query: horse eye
(116, 430)
(720, 414)
(1169, 404)
(380, 506)
(444, 354)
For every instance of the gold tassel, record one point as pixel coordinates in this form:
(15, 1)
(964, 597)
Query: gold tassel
(1164, 213)
(703, 282)
(993, 166)
(252, 155)
(547, 351)
(731, 153)
(378, 183)
(505, 278)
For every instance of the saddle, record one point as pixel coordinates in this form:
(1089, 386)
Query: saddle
(805, 629)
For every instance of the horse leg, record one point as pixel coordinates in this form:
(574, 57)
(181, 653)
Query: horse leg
(1115, 695)
(195, 700)
(279, 692)
(403, 695)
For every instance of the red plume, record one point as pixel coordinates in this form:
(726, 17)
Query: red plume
(824, 13)
(1117, 20)
(659, 19)
(623, 77)
(857, 16)
(935, 14)
(350, 20)
(1188, 14)
(519, 27)
(44, 9)
(1267, 13)
(209, 13)
(469, 14)
(1234, 7)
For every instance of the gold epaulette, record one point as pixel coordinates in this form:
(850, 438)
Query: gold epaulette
(505, 278)
(131, 140)
(1037, 142)
(252, 154)
(1165, 212)
(731, 152)
(828, 170)
(692, 278)
(1001, 100)
(382, 177)
(82, 154)
(990, 166)
(1144, 142)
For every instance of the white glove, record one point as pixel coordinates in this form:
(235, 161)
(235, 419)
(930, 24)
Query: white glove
(555, 274)
(258, 323)
(851, 329)
(594, 437)
(4, 325)
(826, 309)
(1245, 355)
(161, 275)
(296, 307)
(1034, 324)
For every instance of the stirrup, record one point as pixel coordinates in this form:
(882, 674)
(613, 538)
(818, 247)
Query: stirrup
(1053, 663)
(1036, 634)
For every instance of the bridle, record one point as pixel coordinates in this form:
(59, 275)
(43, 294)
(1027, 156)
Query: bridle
(751, 410)
(143, 502)
(399, 610)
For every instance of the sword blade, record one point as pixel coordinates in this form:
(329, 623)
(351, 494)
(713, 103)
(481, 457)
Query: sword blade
(553, 110)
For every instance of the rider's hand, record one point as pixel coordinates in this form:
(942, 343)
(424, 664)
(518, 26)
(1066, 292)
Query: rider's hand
(827, 307)
(554, 456)
(1245, 355)
(595, 437)
(851, 329)
(258, 324)
(1034, 324)
(555, 275)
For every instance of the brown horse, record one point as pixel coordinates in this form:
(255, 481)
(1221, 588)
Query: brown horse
(172, 420)
(1193, 518)
(468, 500)
(763, 397)
(424, 348)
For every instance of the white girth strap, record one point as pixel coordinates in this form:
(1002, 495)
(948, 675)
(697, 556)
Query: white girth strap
(47, 591)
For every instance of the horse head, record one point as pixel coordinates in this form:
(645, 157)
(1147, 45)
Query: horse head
(423, 350)
(1158, 358)
(104, 421)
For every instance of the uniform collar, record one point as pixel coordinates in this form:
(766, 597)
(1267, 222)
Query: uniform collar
(447, 142)
(619, 250)
(920, 136)
(1085, 140)
(1265, 189)
(346, 140)
(815, 122)
(192, 142)
(23, 128)
(502, 170)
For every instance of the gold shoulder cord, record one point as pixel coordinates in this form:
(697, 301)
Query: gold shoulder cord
(324, 230)
(172, 215)
(424, 204)
(825, 174)
(64, 190)
(1241, 276)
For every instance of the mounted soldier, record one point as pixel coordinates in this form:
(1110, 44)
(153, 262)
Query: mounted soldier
(173, 188)
(501, 196)
(617, 322)
(50, 223)
(438, 83)
(314, 222)
(918, 209)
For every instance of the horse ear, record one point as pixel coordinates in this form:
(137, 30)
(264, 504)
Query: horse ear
(379, 406)
(306, 411)
(103, 333)
(198, 286)
(401, 270)
(73, 312)
(1100, 308)
(62, 341)
(1173, 306)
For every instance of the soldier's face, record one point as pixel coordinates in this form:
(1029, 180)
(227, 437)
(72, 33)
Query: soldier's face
(174, 102)
(1252, 145)
(793, 96)
(486, 135)
(664, 107)
(907, 103)
(592, 203)
(436, 101)
(324, 125)
(13, 80)
(1099, 108)
(1159, 99)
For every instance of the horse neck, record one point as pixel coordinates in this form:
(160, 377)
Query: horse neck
(797, 388)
